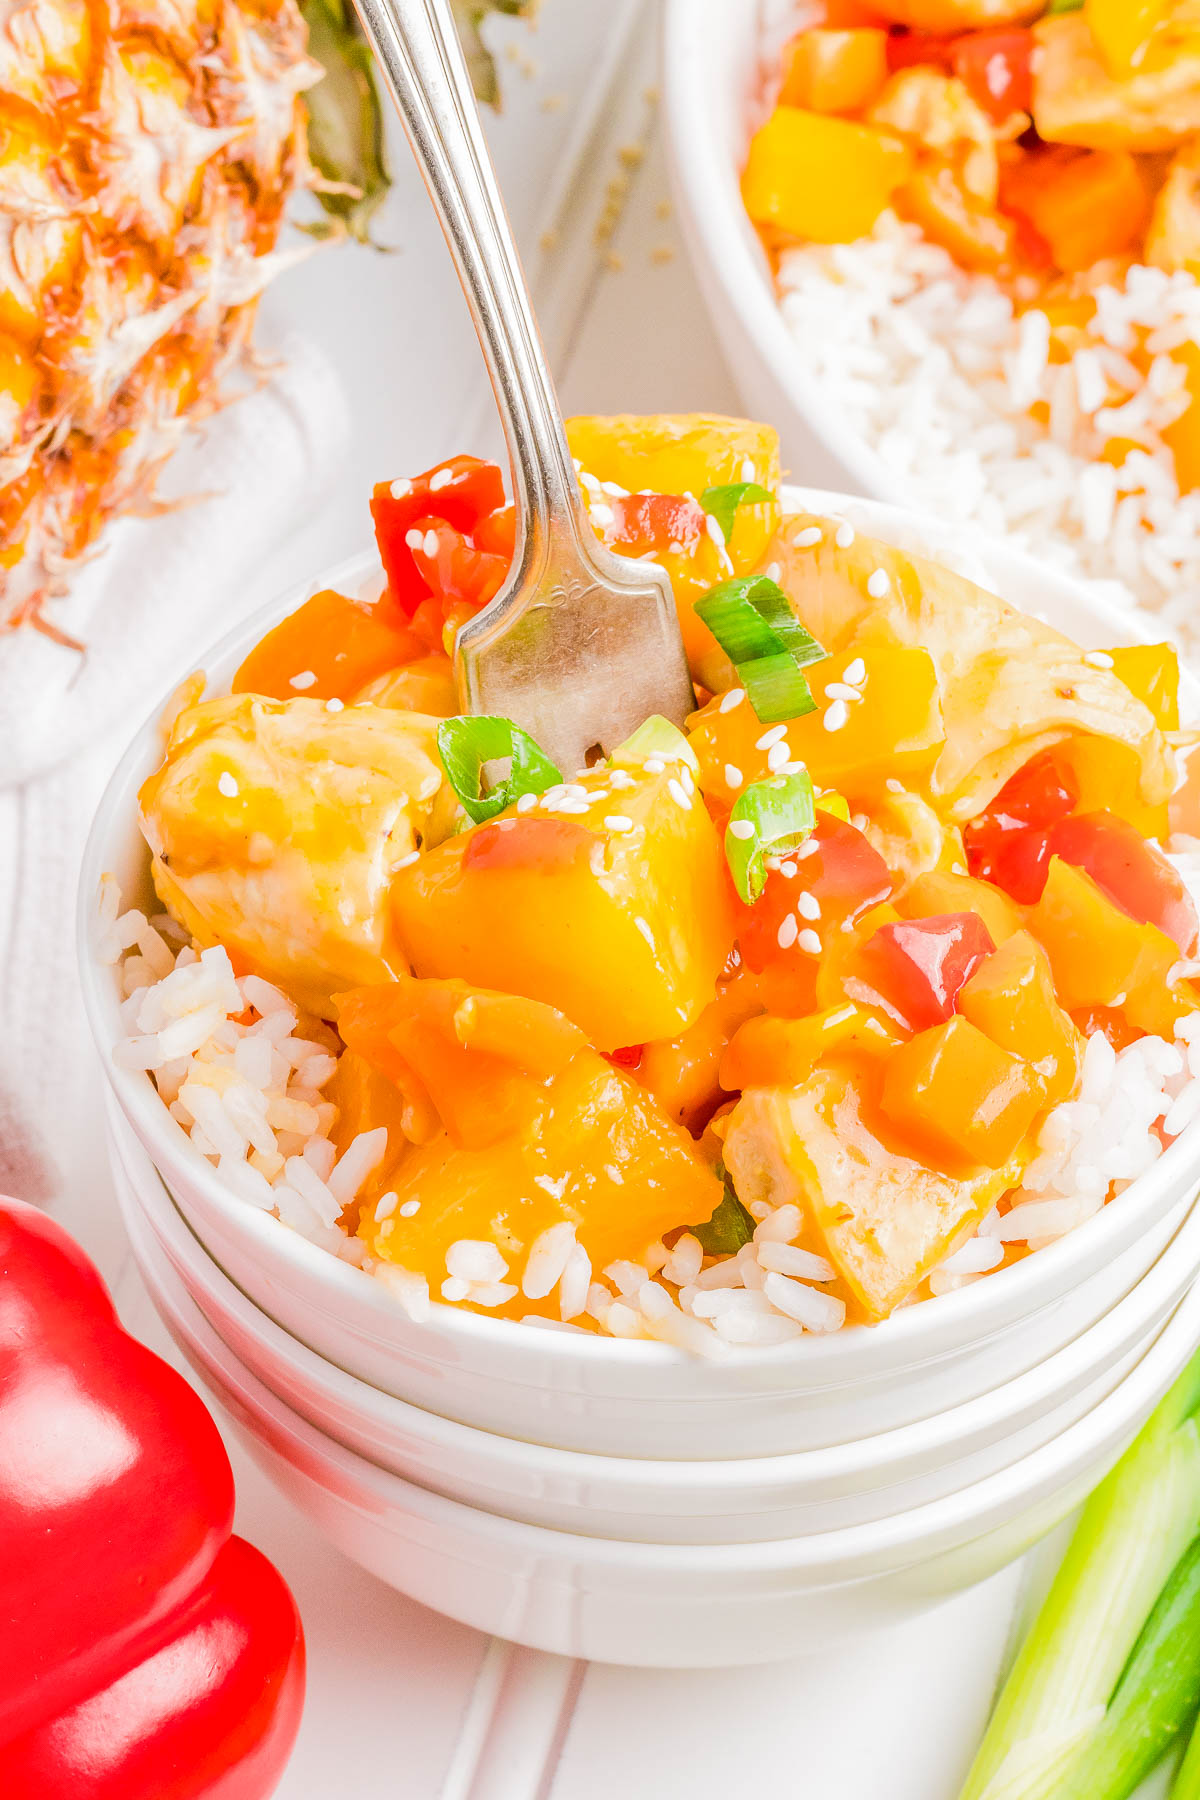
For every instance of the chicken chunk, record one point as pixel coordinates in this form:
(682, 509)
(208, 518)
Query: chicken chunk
(1077, 101)
(1173, 240)
(938, 112)
(957, 15)
(276, 827)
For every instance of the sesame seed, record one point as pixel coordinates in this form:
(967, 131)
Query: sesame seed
(227, 785)
(855, 673)
(808, 906)
(431, 543)
(741, 828)
(844, 537)
(618, 822)
(335, 705)
(860, 822)
(841, 690)
(439, 479)
(773, 572)
(749, 472)
(410, 1209)
(414, 539)
(386, 1207)
(809, 942)
(687, 780)
(804, 540)
(769, 738)
(677, 794)
(808, 848)
(788, 870)
(455, 1288)
(525, 802)
(573, 807)
(620, 778)
(788, 932)
(790, 768)
(1098, 659)
(401, 488)
(575, 790)
(733, 698)
(836, 715)
(893, 786)
(305, 679)
(878, 584)
(406, 862)
(777, 755)
(733, 775)
(654, 765)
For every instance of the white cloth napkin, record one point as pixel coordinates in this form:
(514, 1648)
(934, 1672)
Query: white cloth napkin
(146, 607)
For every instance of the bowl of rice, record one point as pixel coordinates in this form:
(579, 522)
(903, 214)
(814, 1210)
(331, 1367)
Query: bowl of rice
(1043, 407)
(679, 1388)
(708, 1604)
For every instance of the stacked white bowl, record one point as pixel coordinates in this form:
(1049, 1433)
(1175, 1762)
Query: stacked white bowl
(621, 1500)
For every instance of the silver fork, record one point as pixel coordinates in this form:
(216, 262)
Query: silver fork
(580, 645)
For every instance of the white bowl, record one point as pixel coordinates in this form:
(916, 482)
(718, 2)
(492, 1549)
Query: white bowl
(672, 1605)
(580, 1392)
(647, 1500)
(712, 75)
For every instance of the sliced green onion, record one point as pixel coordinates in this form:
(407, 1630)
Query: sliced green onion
(1128, 1546)
(768, 818)
(723, 502)
(1187, 1778)
(466, 744)
(730, 1227)
(1064, 6)
(755, 626)
(655, 736)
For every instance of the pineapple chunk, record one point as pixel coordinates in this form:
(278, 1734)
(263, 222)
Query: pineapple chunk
(1077, 101)
(616, 909)
(1173, 240)
(675, 453)
(276, 827)
(880, 1215)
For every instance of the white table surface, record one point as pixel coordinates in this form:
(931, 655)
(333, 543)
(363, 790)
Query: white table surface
(403, 1703)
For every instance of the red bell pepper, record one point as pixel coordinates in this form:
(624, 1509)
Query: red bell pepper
(145, 1654)
(996, 67)
(459, 492)
(919, 965)
(838, 866)
(1131, 871)
(1008, 843)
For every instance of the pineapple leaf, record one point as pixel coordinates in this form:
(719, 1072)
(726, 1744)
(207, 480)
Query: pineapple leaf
(345, 117)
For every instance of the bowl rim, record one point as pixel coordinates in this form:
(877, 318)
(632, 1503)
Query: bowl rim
(974, 1509)
(147, 1195)
(981, 1309)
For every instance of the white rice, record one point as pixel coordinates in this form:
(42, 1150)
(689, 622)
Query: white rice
(226, 1056)
(937, 369)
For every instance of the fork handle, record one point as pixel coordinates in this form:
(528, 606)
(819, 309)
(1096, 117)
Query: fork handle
(417, 47)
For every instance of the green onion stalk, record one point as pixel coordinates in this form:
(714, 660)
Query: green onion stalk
(1108, 1679)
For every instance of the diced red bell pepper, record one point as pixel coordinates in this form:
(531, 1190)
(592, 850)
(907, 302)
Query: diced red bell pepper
(1130, 871)
(919, 965)
(460, 492)
(144, 1653)
(911, 49)
(843, 872)
(646, 523)
(628, 1057)
(453, 568)
(1008, 843)
(328, 649)
(996, 69)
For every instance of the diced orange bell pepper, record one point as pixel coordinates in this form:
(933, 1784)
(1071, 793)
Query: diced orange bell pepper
(424, 686)
(1102, 957)
(579, 912)
(366, 1099)
(1010, 998)
(883, 1217)
(976, 236)
(1086, 207)
(822, 178)
(1151, 673)
(328, 649)
(589, 1147)
(941, 891)
(961, 1097)
(1123, 30)
(1182, 438)
(770, 1052)
(1108, 777)
(834, 71)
